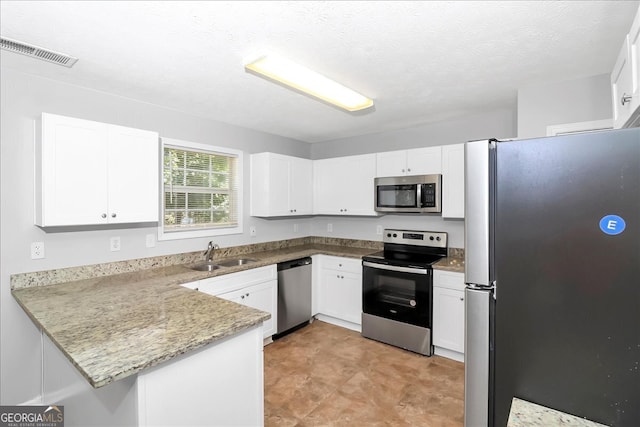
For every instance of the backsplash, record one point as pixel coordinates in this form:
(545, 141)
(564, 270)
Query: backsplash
(52, 277)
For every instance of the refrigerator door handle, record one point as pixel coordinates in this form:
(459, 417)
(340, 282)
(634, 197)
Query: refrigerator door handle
(477, 356)
(478, 211)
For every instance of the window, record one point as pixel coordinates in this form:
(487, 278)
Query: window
(200, 190)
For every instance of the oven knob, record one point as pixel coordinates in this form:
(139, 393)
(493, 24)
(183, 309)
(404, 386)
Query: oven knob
(388, 234)
(438, 238)
(430, 237)
(395, 235)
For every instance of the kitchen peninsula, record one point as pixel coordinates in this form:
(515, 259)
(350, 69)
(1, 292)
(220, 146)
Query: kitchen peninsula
(136, 348)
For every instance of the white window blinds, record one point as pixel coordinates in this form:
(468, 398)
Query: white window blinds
(200, 189)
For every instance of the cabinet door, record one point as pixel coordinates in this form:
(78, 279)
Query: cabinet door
(269, 185)
(344, 185)
(300, 184)
(340, 295)
(133, 157)
(357, 182)
(72, 182)
(634, 58)
(328, 186)
(453, 181)
(424, 161)
(448, 319)
(621, 87)
(263, 296)
(391, 163)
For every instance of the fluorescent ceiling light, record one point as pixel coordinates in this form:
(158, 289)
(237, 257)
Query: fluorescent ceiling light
(303, 79)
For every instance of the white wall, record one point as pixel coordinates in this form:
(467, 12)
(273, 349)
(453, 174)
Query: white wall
(579, 100)
(25, 97)
(491, 124)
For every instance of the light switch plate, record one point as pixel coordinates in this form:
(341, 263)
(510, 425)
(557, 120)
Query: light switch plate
(379, 230)
(252, 231)
(151, 240)
(330, 227)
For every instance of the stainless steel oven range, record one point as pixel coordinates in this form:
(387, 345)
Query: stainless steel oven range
(397, 289)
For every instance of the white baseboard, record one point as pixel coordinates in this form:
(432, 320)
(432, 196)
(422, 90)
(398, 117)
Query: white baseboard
(339, 322)
(449, 354)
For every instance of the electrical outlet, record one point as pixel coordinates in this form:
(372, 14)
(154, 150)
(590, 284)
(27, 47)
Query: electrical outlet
(151, 240)
(37, 250)
(379, 230)
(115, 244)
(296, 228)
(330, 228)
(252, 231)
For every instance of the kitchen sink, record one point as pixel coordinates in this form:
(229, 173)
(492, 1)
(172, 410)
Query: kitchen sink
(204, 266)
(234, 262)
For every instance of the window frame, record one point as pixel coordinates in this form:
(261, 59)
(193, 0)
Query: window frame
(191, 234)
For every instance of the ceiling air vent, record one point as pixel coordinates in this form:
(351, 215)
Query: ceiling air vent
(37, 52)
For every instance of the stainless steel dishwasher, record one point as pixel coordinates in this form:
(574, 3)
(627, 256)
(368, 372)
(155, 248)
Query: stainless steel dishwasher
(294, 294)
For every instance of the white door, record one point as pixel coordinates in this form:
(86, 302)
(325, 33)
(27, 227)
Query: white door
(391, 163)
(424, 161)
(133, 175)
(448, 319)
(453, 181)
(74, 171)
(263, 296)
(301, 186)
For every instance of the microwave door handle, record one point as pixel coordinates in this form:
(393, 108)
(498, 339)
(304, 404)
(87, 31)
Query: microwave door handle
(419, 196)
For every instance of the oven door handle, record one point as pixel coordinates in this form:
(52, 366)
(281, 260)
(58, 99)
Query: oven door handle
(395, 268)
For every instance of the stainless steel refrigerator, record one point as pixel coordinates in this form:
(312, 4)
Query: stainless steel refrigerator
(552, 243)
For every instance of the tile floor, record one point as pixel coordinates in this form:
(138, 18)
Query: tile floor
(324, 375)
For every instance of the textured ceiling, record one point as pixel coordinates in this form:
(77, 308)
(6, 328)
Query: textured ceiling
(420, 61)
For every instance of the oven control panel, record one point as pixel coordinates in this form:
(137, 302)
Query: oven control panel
(435, 239)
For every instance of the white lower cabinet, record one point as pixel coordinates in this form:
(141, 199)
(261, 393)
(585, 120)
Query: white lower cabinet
(256, 288)
(448, 314)
(263, 296)
(338, 291)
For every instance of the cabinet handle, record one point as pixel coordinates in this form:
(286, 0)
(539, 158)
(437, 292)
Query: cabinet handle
(113, 215)
(197, 289)
(625, 98)
(408, 169)
(241, 296)
(104, 215)
(247, 295)
(339, 265)
(461, 299)
(402, 170)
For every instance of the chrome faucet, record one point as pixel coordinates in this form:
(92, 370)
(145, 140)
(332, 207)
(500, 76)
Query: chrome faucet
(210, 252)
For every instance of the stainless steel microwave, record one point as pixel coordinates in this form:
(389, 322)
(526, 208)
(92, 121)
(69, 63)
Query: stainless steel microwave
(417, 193)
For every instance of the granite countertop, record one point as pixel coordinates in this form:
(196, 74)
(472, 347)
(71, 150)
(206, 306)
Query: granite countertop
(115, 326)
(101, 323)
(527, 414)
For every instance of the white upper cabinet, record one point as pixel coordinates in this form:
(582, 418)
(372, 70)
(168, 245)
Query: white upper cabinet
(344, 185)
(625, 80)
(417, 161)
(90, 173)
(453, 181)
(281, 185)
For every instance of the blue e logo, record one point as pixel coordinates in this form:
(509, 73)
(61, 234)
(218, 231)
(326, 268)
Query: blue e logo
(612, 225)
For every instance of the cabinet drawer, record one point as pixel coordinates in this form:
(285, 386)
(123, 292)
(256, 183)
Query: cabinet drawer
(233, 281)
(449, 280)
(351, 265)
